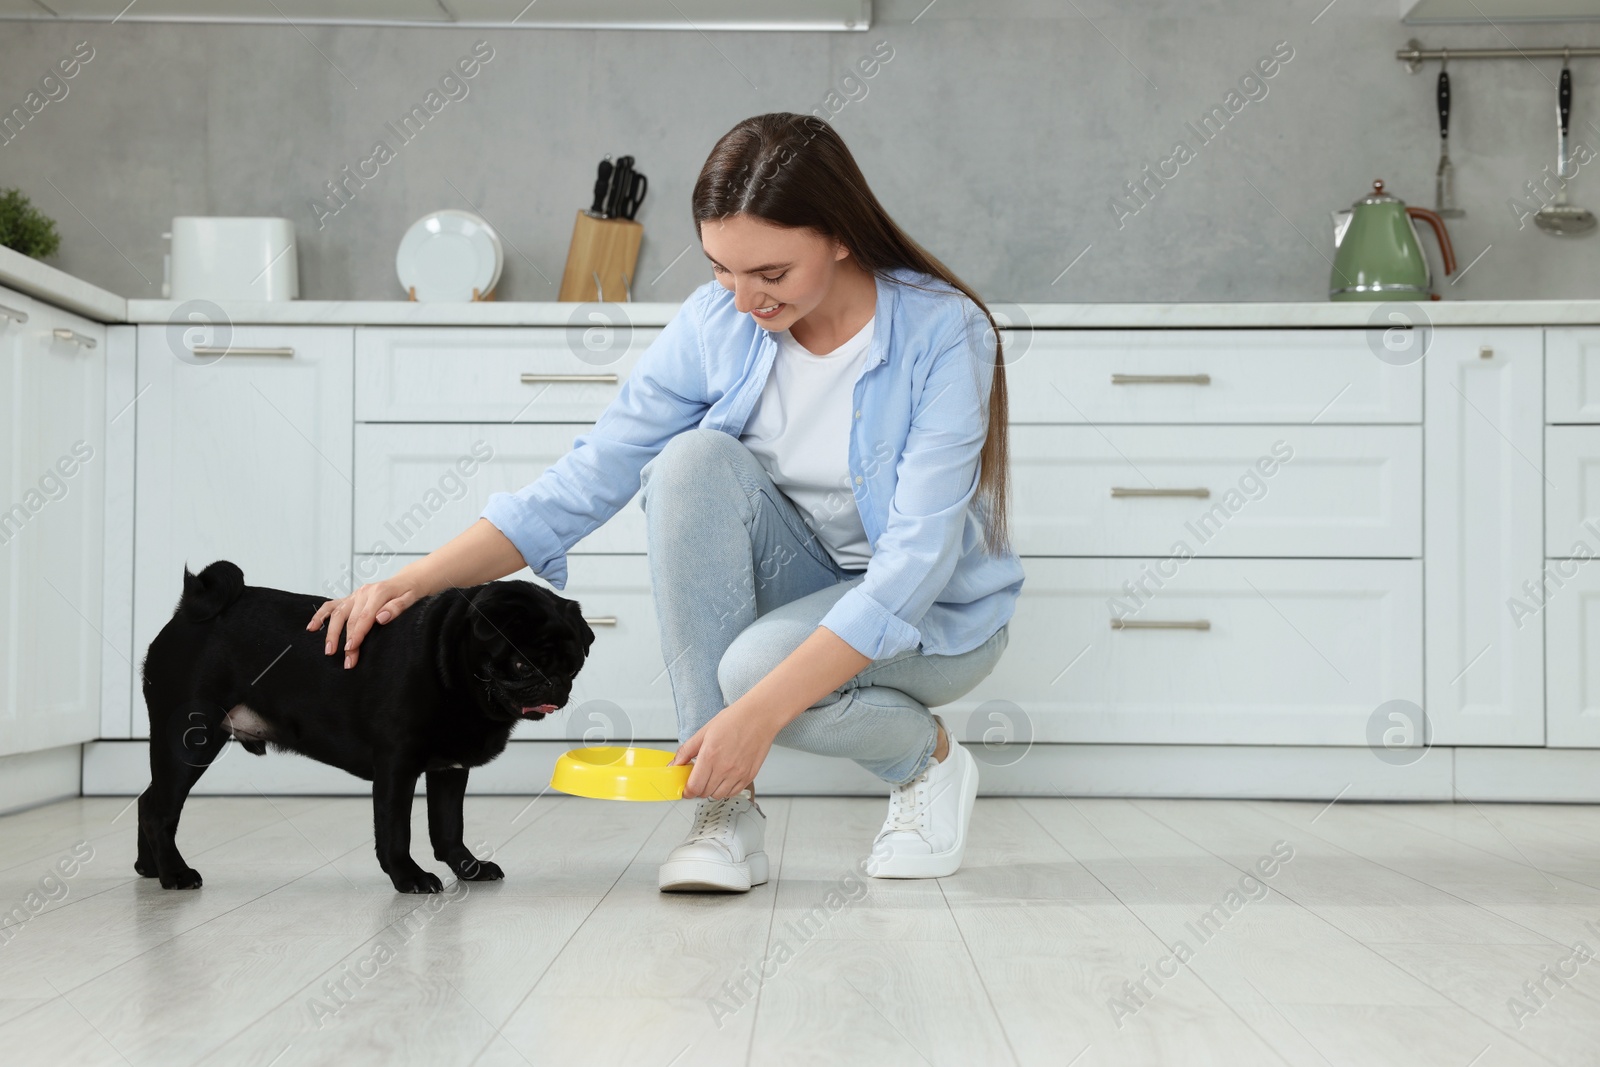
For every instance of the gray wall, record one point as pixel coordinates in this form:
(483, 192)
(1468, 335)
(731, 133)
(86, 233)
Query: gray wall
(997, 135)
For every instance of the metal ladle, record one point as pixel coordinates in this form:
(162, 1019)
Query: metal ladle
(1559, 218)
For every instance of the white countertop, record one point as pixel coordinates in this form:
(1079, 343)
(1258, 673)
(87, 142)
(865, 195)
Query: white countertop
(27, 275)
(1079, 316)
(62, 289)
(407, 313)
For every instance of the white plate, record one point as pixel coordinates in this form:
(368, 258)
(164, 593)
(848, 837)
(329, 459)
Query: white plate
(446, 254)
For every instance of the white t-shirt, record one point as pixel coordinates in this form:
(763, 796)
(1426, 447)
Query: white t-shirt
(800, 431)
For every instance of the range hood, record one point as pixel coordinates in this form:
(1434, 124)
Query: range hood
(509, 14)
(1480, 12)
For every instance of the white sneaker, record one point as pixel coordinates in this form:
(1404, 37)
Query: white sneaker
(926, 831)
(723, 851)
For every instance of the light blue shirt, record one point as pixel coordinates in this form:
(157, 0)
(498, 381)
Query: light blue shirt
(921, 404)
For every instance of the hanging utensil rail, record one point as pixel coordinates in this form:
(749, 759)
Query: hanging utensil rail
(1414, 55)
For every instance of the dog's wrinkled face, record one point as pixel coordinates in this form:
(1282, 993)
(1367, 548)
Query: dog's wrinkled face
(522, 645)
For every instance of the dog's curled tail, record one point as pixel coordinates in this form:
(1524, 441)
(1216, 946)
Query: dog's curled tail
(213, 589)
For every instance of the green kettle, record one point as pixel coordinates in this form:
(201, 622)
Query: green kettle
(1377, 254)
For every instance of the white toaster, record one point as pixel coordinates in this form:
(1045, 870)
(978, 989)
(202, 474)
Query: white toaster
(217, 258)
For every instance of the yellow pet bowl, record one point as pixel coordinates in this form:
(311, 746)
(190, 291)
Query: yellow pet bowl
(612, 772)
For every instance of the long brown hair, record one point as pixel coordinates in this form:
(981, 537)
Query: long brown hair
(794, 170)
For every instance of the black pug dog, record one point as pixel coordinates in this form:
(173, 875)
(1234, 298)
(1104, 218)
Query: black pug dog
(436, 690)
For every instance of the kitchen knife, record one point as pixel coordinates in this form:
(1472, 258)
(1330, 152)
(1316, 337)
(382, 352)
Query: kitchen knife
(602, 186)
(620, 178)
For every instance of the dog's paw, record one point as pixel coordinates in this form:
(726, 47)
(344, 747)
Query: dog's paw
(144, 870)
(185, 878)
(418, 881)
(476, 870)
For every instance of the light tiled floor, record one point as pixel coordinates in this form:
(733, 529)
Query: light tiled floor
(1082, 932)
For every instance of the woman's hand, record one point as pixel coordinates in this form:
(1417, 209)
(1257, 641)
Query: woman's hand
(375, 600)
(727, 752)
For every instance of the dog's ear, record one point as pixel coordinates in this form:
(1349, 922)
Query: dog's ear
(456, 608)
(574, 613)
(485, 599)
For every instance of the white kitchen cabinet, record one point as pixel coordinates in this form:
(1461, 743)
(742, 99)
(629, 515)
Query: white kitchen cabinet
(1217, 490)
(1567, 594)
(52, 490)
(1375, 564)
(1337, 431)
(1483, 511)
(419, 485)
(1572, 491)
(535, 374)
(1206, 376)
(1572, 621)
(245, 456)
(1572, 374)
(1209, 651)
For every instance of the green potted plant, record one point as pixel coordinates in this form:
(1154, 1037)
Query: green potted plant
(24, 229)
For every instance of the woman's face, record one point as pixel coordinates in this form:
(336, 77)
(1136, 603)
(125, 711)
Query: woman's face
(764, 264)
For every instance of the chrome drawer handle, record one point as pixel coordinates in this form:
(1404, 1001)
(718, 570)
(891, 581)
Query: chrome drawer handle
(1202, 493)
(1161, 379)
(247, 350)
(529, 378)
(600, 620)
(15, 315)
(1160, 624)
(61, 333)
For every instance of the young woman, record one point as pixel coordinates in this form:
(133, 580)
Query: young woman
(818, 441)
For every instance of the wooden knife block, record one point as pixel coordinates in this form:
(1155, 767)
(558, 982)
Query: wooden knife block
(607, 247)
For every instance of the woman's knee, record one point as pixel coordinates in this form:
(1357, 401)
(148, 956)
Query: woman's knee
(684, 462)
(939, 680)
(759, 648)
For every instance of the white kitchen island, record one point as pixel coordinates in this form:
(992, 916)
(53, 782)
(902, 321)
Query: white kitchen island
(1259, 538)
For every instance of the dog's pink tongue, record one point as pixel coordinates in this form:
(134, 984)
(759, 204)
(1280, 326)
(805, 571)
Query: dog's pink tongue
(542, 708)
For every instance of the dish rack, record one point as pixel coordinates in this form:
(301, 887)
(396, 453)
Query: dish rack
(411, 294)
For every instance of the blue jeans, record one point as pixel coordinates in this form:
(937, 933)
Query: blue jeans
(740, 582)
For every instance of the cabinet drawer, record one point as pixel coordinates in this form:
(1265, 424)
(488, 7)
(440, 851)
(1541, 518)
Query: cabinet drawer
(623, 693)
(1572, 491)
(484, 374)
(1572, 374)
(418, 486)
(1296, 651)
(1238, 376)
(1218, 490)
